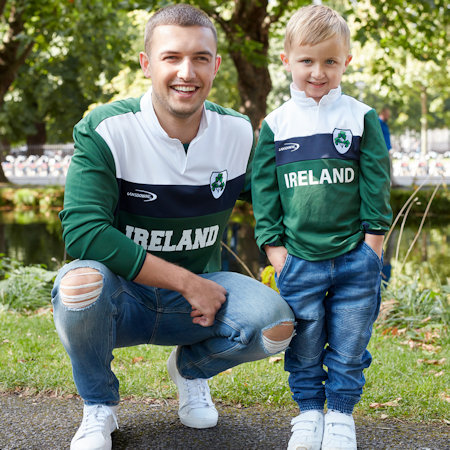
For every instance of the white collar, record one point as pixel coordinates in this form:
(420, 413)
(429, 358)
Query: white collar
(149, 112)
(300, 98)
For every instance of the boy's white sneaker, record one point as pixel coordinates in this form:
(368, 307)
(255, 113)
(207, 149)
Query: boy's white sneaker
(307, 431)
(196, 409)
(99, 421)
(339, 432)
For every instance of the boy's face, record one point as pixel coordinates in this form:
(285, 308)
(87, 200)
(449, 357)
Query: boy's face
(316, 69)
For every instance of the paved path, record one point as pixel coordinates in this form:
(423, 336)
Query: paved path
(49, 423)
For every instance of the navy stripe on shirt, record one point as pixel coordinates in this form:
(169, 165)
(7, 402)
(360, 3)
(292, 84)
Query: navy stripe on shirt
(317, 146)
(174, 201)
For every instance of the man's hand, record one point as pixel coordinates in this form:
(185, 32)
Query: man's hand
(375, 242)
(206, 297)
(277, 257)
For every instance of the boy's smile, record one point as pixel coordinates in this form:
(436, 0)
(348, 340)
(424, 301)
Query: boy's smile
(316, 69)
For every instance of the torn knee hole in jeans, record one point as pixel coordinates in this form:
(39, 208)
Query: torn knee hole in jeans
(80, 288)
(277, 339)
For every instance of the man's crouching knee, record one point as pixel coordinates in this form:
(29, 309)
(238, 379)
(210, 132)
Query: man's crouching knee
(277, 338)
(81, 287)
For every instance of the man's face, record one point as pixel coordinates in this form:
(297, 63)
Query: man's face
(316, 69)
(182, 65)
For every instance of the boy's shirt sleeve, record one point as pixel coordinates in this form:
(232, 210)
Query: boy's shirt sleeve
(267, 208)
(374, 181)
(90, 200)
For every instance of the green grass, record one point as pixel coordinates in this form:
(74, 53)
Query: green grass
(33, 359)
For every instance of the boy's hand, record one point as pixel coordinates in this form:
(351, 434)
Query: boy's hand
(375, 242)
(277, 257)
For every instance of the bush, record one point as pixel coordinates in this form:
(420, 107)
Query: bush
(24, 288)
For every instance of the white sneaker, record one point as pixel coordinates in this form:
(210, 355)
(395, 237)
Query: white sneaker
(339, 432)
(196, 409)
(99, 421)
(307, 431)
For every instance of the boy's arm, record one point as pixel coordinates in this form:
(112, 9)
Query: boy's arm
(374, 182)
(277, 257)
(267, 209)
(375, 241)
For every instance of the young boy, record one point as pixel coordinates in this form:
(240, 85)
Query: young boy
(321, 202)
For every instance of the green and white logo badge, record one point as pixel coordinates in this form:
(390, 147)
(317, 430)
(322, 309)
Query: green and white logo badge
(218, 180)
(342, 140)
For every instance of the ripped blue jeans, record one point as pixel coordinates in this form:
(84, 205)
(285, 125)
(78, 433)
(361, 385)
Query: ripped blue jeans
(335, 302)
(126, 313)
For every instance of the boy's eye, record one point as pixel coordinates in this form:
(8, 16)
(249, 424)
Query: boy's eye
(331, 61)
(306, 61)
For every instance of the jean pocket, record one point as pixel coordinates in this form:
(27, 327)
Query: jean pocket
(279, 278)
(371, 253)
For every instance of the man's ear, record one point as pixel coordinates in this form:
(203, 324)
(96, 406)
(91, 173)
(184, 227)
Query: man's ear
(217, 64)
(285, 61)
(145, 64)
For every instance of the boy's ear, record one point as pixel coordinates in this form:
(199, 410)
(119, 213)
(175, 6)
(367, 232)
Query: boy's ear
(285, 61)
(347, 61)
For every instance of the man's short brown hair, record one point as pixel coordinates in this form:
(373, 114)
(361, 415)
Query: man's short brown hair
(181, 15)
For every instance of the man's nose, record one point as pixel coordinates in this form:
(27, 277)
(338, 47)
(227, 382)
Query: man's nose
(186, 69)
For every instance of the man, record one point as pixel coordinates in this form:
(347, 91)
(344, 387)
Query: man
(384, 117)
(150, 189)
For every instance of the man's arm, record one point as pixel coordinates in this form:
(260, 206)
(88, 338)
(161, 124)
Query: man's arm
(205, 296)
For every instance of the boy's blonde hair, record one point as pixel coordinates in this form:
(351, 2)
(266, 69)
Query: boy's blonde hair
(313, 24)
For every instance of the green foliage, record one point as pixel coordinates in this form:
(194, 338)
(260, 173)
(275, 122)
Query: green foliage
(401, 59)
(413, 307)
(68, 65)
(39, 198)
(440, 209)
(24, 288)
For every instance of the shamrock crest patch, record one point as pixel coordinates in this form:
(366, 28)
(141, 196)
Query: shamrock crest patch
(217, 182)
(342, 140)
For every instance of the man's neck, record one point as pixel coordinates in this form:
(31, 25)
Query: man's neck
(183, 128)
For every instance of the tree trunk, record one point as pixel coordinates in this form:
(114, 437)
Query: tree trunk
(13, 52)
(5, 148)
(247, 32)
(254, 85)
(424, 122)
(35, 142)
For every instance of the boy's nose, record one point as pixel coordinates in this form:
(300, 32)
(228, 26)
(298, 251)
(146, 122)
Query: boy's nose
(317, 71)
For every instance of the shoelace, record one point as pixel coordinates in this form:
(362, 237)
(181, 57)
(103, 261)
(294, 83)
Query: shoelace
(198, 392)
(95, 418)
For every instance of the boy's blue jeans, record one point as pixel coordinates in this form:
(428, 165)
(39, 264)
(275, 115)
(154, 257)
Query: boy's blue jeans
(335, 302)
(128, 313)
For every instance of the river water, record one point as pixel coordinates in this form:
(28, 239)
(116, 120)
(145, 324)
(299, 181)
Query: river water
(36, 239)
